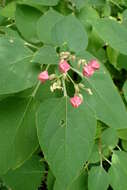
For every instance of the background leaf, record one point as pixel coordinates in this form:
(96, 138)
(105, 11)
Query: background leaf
(98, 179)
(26, 20)
(69, 31)
(118, 171)
(18, 139)
(27, 177)
(45, 25)
(117, 38)
(46, 55)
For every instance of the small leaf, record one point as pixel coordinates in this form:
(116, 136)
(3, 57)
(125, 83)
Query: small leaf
(98, 179)
(62, 132)
(27, 177)
(26, 19)
(69, 31)
(109, 138)
(46, 55)
(118, 171)
(45, 25)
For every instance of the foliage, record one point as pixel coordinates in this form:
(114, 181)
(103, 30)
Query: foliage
(63, 94)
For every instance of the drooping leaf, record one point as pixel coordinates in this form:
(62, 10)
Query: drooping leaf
(64, 131)
(113, 33)
(118, 171)
(18, 139)
(69, 31)
(45, 25)
(46, 55)
(16, 71)
(98, 179)
(26, 20)
(27, 177)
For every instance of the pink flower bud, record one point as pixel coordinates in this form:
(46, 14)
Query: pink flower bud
(43, 76)
(94, 64)
(64, 67)
(75, 101)
(88, 71)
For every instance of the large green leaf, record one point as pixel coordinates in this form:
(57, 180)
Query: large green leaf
(69, 31)
(26, 20)
(16, 71)
(98, 179)
(113, 33)
(80, 183)
(42, 2)
(27, 177)
(66, 136)
(118, 171)
(18, 139)
(46, 55)
(108, 105)
(45, 25)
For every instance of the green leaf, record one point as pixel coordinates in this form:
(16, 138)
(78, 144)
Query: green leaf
(105, 104)
(124, 144)
(16, 71)
(42, 2)
(118, 171)
(46, 55)
(125, 90)
(109, 138)
(112, 56)
(26, 20)
(45, 25)
(9, 10)
(121, 61)
(113, 33)
(69, 31)
(50, 180)
(27, 177)
(80, 183)
(78, 3)
(18, 138)
(98, 179)
(62, 132)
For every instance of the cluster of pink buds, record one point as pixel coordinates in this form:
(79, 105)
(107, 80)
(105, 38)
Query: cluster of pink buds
(64, 66)
(90, 68)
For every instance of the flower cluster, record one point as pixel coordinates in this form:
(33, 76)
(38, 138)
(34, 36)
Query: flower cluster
(88, 69)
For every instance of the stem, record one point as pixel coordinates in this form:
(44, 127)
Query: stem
(116, 4)
(31, 45)
(78, 72)
(100, 152)
(47, 67)
(64, 87)
(36, 89)
(107, 160)
(71, 79)
(118, 147)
